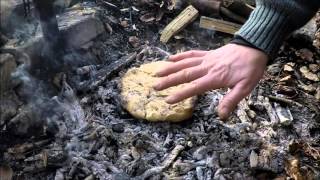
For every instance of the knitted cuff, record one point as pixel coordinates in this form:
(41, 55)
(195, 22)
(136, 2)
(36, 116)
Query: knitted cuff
(271, 22)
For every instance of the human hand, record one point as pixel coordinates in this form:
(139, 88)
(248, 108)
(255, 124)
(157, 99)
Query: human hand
(234, 66)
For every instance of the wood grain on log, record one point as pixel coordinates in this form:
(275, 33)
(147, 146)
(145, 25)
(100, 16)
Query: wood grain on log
(181, 21)
(219, 25)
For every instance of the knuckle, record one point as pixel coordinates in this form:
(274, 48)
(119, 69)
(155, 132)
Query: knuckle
(167, 79)
(228, 102)
(203, 68)
(192, 52)
(194, 85)
(164, 81)
(186, 75)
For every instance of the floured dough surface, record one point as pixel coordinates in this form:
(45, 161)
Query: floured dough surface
(143, 102)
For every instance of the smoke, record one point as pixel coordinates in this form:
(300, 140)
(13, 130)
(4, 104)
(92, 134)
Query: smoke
(60, 114)
(16, 21)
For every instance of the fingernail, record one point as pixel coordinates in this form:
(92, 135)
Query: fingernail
(157, 87)
(158, 74)
(170, 100)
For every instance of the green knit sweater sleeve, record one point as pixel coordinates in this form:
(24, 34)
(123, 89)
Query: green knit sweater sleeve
(273, 20)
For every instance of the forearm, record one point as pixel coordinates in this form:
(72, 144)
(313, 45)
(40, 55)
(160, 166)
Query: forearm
(273, 20)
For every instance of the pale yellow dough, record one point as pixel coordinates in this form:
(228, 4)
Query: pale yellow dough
(143, 102)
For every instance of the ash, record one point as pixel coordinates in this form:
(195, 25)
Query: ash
(82, 131)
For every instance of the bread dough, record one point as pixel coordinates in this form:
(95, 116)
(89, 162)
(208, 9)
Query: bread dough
(143, 102)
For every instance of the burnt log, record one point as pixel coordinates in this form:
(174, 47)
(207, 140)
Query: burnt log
(7, 66)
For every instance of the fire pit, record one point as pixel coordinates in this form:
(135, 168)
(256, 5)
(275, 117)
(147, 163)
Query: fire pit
(71, 124)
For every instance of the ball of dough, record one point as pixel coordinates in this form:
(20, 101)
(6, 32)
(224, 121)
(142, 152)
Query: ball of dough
(143, 102)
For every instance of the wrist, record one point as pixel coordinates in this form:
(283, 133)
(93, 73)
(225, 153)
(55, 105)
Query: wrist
(251, 53)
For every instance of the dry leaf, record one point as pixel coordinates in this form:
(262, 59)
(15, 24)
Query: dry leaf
(288, 91)
(148, 17)
(306, 73)
(292, 167)
(305, 54)
(314, 67)
(289, 67)
(309, 88)
(285, 79)
(134, 41)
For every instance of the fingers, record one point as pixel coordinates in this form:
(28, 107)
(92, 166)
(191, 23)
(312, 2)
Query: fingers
(231, 100)
(183, 76)
(196, 87)
(175, 67)
(187, 54)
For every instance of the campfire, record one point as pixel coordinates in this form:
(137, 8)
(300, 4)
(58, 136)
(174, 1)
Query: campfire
(62, 115)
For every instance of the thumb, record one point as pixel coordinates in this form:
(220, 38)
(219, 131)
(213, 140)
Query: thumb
(231, 100)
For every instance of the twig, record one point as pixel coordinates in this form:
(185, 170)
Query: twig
(109, 5)
(165, 165)
(105, 73)
(271, 113)
(284, 100)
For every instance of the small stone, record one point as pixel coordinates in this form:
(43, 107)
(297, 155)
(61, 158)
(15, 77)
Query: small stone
(253, 159)
(309, 75)
(118, 128)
